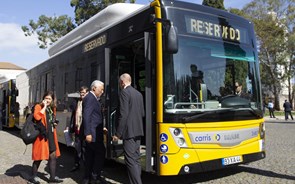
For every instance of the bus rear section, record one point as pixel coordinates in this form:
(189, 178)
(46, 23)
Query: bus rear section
(198, 147)
(9, 105)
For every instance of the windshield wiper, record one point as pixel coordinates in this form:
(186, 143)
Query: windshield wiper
(235, 102)
(190, 118)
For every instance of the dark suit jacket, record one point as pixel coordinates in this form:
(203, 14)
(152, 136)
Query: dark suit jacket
(287, 106)
(92, 123)
(131, 112)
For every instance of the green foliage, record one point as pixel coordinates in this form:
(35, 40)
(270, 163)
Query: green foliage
(276, 113)
(49, 29)
(85, 9)
(274, 26)
(214, 3)
(237, 12)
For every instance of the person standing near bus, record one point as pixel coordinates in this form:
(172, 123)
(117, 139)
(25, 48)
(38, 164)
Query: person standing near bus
(75, 125)
(46, 145)
(130, 127)
(26, 112)
(271, 109)
(92, 133)
(287, 108)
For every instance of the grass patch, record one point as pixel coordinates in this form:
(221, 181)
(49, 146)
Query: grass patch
(277, 113)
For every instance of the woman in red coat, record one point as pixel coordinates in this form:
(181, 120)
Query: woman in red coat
(46, 145)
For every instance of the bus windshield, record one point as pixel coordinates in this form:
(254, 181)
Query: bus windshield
(209, 78)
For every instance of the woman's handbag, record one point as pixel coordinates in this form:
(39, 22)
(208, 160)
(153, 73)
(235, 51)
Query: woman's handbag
(68, 138)
(29, 132)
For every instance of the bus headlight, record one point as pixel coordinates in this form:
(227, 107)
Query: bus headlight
(178, 137)
(180, 142)
(176, 131)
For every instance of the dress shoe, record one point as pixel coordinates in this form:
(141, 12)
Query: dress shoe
(55, 180)
(34, 180)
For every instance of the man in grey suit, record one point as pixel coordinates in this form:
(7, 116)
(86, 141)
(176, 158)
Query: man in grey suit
(92, 133)
(130, 127)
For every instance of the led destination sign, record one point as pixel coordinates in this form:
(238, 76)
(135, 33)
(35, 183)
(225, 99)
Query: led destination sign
(215, 29)
(97, 42)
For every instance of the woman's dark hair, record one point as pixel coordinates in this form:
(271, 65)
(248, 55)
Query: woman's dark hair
(50, 93)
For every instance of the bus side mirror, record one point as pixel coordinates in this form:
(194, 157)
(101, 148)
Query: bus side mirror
(172, 40)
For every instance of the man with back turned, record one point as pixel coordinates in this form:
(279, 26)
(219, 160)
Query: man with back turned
(130, 127)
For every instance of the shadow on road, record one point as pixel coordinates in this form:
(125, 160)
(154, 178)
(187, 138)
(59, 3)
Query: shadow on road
(266, 173)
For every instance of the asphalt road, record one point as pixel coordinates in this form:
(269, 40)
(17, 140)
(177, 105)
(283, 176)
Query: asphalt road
(277, 167)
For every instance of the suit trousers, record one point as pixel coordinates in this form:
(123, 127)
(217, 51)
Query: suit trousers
(94, 159)
(287, 113)
(78, 150)
(132, 159)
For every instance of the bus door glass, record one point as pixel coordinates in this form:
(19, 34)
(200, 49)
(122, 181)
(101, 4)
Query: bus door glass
(125, 58)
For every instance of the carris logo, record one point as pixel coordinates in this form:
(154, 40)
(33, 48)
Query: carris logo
(203, 138)
(217, 137)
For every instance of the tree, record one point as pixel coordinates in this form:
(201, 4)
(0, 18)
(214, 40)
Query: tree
(85, 9)
(214, 3)
(274, 27)
(50, 29)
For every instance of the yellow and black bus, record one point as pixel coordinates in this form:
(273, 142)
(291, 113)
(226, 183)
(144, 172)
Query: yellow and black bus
(9, 107)
(197, 68)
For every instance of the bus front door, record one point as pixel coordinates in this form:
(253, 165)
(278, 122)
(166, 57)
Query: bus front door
(130, 57)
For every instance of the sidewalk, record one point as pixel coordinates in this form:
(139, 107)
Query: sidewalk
(15, 165)
(5, 179)
(16, 162)
(277, 119)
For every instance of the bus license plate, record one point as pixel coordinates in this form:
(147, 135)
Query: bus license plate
(232, 160)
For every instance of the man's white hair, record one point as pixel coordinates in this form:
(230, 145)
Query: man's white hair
(126, 78)
(96, 83)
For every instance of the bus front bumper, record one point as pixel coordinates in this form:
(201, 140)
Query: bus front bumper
(217, 164)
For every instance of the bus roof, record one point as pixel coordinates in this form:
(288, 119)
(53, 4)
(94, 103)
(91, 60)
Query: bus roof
(107, 16)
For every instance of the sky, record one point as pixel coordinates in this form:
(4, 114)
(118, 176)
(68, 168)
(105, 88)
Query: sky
(24, 51)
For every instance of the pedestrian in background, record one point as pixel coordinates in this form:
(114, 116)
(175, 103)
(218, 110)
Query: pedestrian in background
(26, 112)
(92, 134)
(130, 127)
(46, 145)
(287, 108)
(270, 107)
(75, 125)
